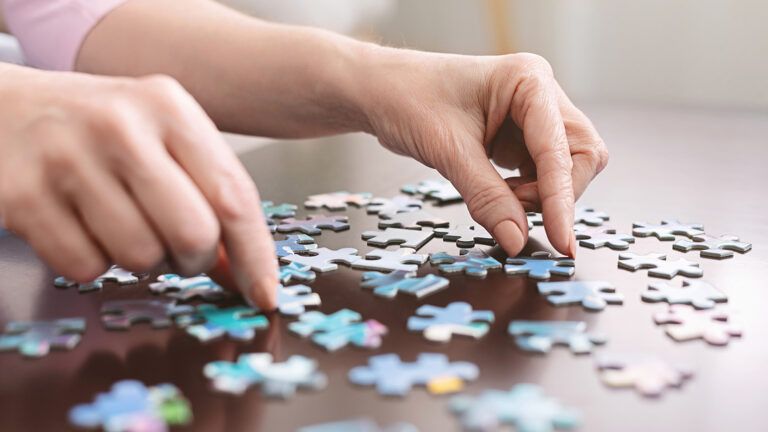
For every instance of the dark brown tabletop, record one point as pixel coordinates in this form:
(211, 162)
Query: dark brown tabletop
(706, 167)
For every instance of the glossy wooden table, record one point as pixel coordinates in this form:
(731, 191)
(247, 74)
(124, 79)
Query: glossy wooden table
(697, 166)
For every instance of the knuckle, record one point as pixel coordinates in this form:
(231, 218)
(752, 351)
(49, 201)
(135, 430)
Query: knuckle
(197, 238)
(534, 64)
(601, 157)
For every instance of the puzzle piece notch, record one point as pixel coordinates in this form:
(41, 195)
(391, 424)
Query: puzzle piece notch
(441, 190)
(293, 300)
(159, 313)
(185, 289)
(649, 375)
(534, 219)
(277, 379)
(388, 285)
(324, 259)
(466, 236)
(540, 336)
(398, 236)
(280, 211)
(294, 244)
(339, 329)
(592, 295)
(713, 247)
(667, 230)
(392, 377)
(589, 216)
(336, 201)
(131, 406)
(414, 220)
(524, 406)
(37, 338)
(296, 271)
(402, 259)
(473, 262)
(699, 294)
(358, 425)
(659, 266)
(209, 322)
(388, 208)
(684, 323)
(314, 224)
(540, 266)
(439, 324)
(113, 274)
(597, 237)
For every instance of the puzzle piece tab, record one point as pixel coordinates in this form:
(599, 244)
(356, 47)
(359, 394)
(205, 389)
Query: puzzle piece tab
(592, 295)
(337, 200)
(589, 216)
(188, 288)
(466, 236)
(713, 247)
(700, 294)
(540, 266)
(392, 377)
(388, 208)
(439, 324)
(524, 406)
(388, 285)
(649, 375)
(114, 274)
(294, 244)
(279, 380)
(398, 236)
(281, 211)
(473, 262)
(403, 259)
(324, 259)
(667, 230)
(441, 190)
(339, 329)
(297, 272)
(159, 313)
(36, 338)
(209, 322)
(414, 220)
(684, 323)
(597, 237)
(358, 425)
(314, 224)
(658, 266)
(540, 336)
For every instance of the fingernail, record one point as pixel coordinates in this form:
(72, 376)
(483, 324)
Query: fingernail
(509, 236)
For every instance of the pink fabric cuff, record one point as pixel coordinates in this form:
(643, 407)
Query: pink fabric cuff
(51, 31)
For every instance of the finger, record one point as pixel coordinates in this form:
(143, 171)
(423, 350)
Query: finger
(535, 109)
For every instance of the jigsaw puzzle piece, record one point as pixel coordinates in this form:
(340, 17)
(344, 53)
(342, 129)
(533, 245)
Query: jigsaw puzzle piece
(159, 313)
(114, 274)
(314, 224)
(324, 259)
(466, 236)
(589, 216)
(594, 238)
(294, 244)
(392, 377)
(473, 262)
(188, 288)
(683, 323)
(209, 322)
(293, 300)
(439, 324)
(398, 236)
(540, 336)
(713, 247)
(281, 211)
(403, 259)
(659, 266)
(37, 338)
(667, 230)
(388, 285)
(335, 201)
(649, 375)
(441, 190)
(699, 294)
(388, 208)
(339, 329)
(524, 406)
(540, 266)
(299, 272)
(534, 219)
(414, 220)
(592, 295)
(358, 425)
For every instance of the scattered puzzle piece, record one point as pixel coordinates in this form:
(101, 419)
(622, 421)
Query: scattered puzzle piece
(130, 406)
(388, 285)
(280, 380)
(414, 220)
(473, 262)
(598, 237)
(713, 247)
(387, 208)
(313, 224)
(296, 271)
(282, 211)
(392, 377)
(589, 216)
(667, 230)
(337, 200)
(592, 295)
(293, 300)
(398, 236)
(441, 190)
(114, 274)
(649, 375)
(658, 266)
(534, 219)
(36, 338)
(466, 236)
(294, 244)
(185, 289)
(684, 323)
(439, 324)
(539, 336)
(358, 425)
(540, 266)
(209, 322)
(384, 260)
(324, 259)
(121, 314)
(524, 406)
(700, 294)
(339, 329)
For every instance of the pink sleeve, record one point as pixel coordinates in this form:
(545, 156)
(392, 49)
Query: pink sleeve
(51, 31)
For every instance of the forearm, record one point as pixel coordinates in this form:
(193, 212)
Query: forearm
(250, 76)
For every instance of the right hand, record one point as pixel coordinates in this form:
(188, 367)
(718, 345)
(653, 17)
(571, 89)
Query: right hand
(97, 170)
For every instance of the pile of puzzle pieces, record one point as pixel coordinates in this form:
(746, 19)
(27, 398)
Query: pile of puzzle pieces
(193, 304)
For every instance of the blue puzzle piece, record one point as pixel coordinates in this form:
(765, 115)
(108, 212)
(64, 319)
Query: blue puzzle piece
(281, 211)
(209, 322)
(524, 406)
(473, 262)
(297, 272)
(540, 266)
(339, 329)
(293, 300)
(388, 285)
(539, 336)
(392, 377)
(36, 338)
(358, 425)
(114, 274)
(592, 295)
(294, 244)
(439, 324)
(188, 288)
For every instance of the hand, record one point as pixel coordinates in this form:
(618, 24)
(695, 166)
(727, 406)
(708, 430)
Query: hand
(98, 170)
(454, 113)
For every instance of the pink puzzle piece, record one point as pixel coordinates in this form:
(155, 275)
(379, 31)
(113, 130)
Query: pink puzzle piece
(684, 323)
(649, 375)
